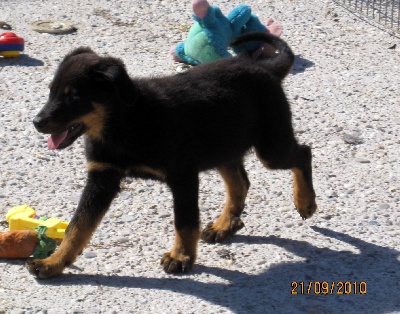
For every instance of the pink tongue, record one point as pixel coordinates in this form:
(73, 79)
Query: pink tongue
(55, 140)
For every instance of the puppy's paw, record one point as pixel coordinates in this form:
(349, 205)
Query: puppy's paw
(176, 263)
(44, 268)
(303, 191)
(306, 208)
(219, 232)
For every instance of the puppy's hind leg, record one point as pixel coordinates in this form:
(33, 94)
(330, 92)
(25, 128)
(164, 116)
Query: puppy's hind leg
(236, 185)
(297, 158)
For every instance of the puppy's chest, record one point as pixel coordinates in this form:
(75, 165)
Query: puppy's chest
(127, 164)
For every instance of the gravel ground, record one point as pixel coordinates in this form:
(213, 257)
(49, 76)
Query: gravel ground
(344, 92)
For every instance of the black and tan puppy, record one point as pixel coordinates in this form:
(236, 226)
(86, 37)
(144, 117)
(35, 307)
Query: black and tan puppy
(170, 129)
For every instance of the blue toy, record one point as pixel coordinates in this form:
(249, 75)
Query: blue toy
(208, 39)
(11, 45)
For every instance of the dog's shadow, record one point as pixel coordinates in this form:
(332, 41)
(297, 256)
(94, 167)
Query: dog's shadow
(301, 65)
(22, 60)
(271, 291)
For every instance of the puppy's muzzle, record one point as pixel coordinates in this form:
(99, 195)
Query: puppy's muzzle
(40, 123)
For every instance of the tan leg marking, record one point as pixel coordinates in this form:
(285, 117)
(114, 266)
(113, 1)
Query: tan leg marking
(303, 193)
(229, 222)
(183, 254)
(75, 241)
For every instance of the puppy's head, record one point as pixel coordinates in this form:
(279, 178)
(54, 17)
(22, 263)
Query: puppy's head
(85, 90)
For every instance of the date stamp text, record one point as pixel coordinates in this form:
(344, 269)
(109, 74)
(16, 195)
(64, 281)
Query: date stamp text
(329, 287)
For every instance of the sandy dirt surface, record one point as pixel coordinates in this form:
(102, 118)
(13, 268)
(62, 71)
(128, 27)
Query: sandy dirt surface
(344, 92)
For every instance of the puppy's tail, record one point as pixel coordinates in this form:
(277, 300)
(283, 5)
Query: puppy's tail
(281, 63)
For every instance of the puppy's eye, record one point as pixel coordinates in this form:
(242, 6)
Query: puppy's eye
(72, 93)
(69, 90)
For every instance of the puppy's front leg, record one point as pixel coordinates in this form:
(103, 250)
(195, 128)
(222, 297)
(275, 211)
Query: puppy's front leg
(101, 187)
(183, 254)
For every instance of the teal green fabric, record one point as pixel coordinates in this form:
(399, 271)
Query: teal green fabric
(46, 245)
(198, 45)
(208, 39)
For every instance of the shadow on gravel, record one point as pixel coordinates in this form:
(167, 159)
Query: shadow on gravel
(270, 291)
(301, 64)
(22, 60)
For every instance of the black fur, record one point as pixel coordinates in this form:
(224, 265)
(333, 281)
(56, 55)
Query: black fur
(176, 126)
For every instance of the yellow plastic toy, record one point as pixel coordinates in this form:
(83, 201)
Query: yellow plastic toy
(24, 218)
(10, 45)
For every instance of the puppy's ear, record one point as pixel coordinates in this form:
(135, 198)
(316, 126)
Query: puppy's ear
(78, 51)
(113, 70)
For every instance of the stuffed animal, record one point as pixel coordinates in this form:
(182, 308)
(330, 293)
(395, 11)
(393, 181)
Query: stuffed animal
(208, 39)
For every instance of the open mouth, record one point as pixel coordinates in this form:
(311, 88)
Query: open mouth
(66, 138)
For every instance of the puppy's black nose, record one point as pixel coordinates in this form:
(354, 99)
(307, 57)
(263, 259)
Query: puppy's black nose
(40, 122)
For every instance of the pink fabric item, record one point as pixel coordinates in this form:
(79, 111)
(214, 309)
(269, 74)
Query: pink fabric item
(274, 27)
(200, 8)
(267, 50)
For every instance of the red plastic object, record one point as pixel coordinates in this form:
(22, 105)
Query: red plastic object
(10, 44)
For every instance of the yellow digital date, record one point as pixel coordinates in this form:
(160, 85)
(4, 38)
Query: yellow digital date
(329, 287)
